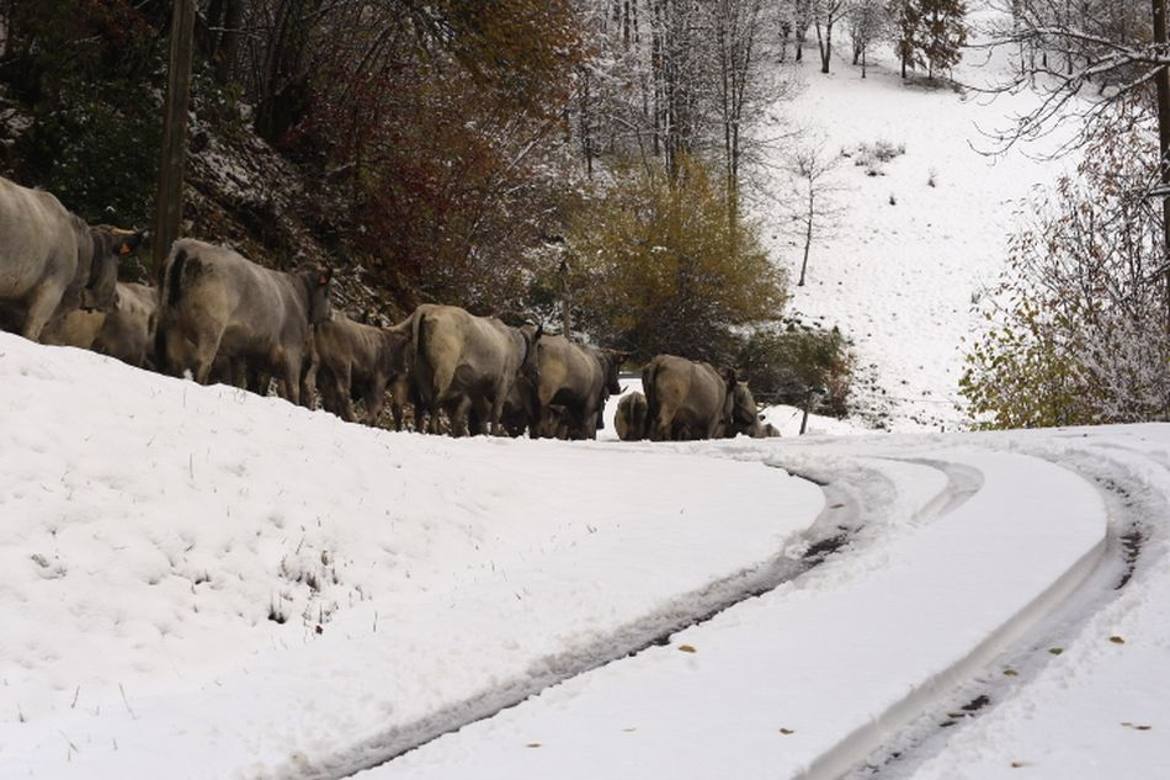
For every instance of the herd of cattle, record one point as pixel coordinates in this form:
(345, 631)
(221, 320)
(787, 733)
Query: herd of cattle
(220, 317)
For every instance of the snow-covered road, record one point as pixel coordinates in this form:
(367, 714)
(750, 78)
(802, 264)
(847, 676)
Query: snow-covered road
(198, 582)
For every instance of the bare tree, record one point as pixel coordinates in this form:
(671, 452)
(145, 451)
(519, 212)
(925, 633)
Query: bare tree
(868, 22)
(738, 29)
(1107, 63)
(815, 213)
(826, 14)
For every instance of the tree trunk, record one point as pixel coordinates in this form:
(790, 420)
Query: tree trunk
(566, 300)
(229, 40)
(825, 44)
(169, 203)
(586, 133)
(808, 234)
(1162, 79)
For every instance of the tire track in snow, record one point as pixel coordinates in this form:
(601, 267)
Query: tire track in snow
(833, 532)
(694, 732)
(1126, 548)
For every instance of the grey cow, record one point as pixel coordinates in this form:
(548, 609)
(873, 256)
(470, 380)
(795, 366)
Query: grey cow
(356, 359)
(215, 302)
(51, 261)
(126, 332)
(690, 400)
(579, 379)
(467, 364)
(631, 417)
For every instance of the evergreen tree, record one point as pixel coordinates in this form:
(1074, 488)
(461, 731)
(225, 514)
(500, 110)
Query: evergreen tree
(945, 33)
(906, 22)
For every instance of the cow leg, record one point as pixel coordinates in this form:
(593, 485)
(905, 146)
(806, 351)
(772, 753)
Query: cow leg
(41, 305)
(309, 385)
(206, 346)
(290, 378)
(497, 409)
(397, 396)
(660, 429)
(375, 398)
(589, 423)
(458, 412)
(345, 393)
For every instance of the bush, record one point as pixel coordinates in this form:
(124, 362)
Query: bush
(1078, 324)
(98, 156)
(784, 367)
(660, 268)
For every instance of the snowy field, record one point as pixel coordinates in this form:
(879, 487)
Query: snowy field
(901, 278)
(200, 582)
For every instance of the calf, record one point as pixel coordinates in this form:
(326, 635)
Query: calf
(630, 420)
(126, 332)
(357, 360)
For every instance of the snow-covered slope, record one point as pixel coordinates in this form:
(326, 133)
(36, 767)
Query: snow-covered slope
(917, 243)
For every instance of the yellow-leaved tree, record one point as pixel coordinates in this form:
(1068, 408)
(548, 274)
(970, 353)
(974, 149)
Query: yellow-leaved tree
(660, 267)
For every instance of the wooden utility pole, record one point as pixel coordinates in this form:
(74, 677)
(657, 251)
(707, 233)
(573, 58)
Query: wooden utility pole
(169, 203)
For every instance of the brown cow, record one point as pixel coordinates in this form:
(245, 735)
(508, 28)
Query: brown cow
(125, 333)
(51, 261)
(578, 378)
(689, 400)
(631, 418)
(357, 360)
(462, 360)
(216, 303)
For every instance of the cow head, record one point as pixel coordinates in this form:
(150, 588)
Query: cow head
(319, 282)
(109, 246)
(613, 360)
(744, 416)
(529, 365)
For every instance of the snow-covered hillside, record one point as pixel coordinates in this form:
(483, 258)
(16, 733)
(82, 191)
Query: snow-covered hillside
(918, 242)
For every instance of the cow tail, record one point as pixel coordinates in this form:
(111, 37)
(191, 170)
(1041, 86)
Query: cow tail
(169, 294)
(649, 373)
(424, 379)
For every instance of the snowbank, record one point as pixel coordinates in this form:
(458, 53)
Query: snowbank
(195, 574)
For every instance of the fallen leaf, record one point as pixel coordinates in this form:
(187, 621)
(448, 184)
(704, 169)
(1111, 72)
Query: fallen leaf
(629, 730)
(1018, 764)
(686, 648)
(786, 732)
(1142, 728)
(1056, 650)
(1010, 673)
(1116, 640)
(533, 744)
